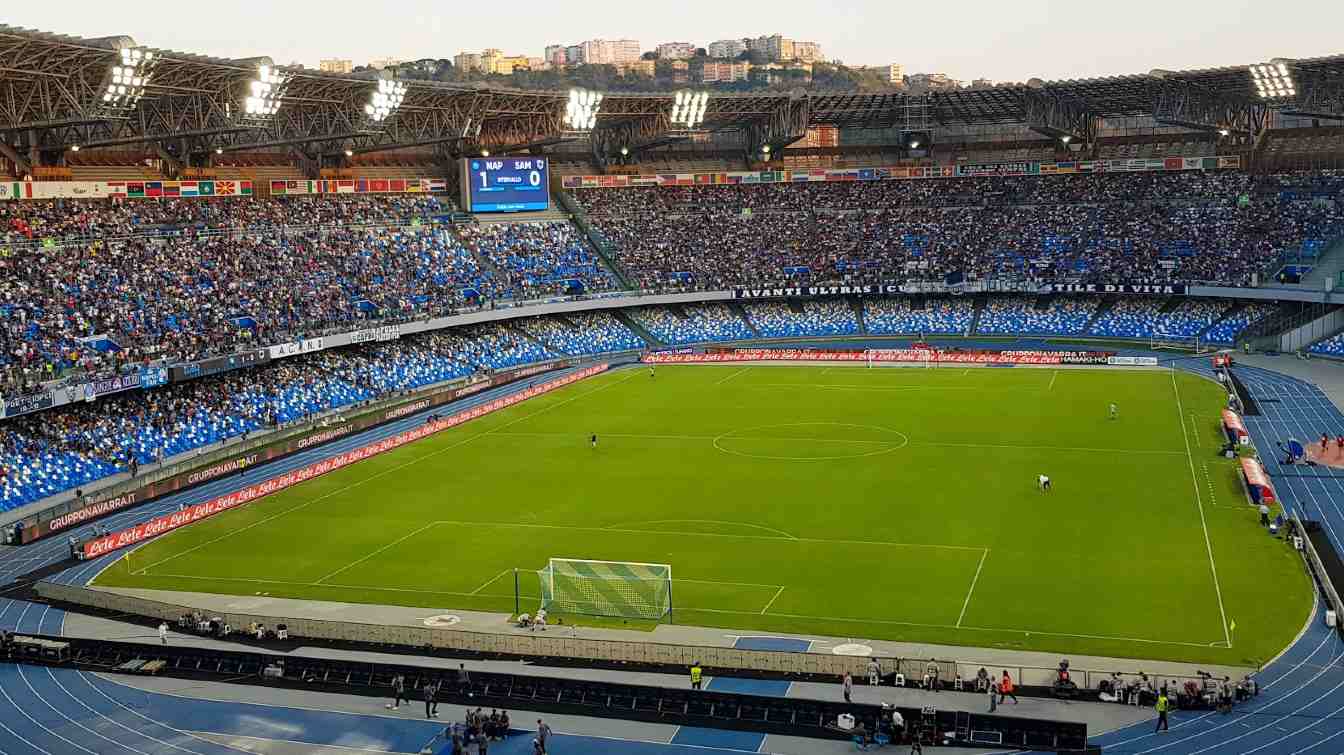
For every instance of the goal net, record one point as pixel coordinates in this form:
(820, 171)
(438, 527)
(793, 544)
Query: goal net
(607, 588)
(1178, 342)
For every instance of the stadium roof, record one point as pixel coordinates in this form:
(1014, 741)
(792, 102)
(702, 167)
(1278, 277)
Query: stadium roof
(49, 101)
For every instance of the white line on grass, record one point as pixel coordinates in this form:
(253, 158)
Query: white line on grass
(576, 528)
(773, 599)
(371, 554)
(1137, 451)
(710, 521)
(1053, 376)
(491, 581)
(1199, 502)
(971, 591)
(1194, 428)
(385, 472)
(730, 377)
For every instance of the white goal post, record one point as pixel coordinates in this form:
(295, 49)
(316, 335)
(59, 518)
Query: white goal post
(1158, 341)
(624, 589)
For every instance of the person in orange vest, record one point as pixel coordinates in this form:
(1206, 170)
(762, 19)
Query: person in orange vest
(1006, 688)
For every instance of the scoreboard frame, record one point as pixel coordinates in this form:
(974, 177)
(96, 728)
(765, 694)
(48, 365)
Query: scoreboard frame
(506, 184)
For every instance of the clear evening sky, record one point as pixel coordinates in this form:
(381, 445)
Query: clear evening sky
(1004, 40)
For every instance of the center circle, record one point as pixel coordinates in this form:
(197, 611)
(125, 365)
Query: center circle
(776, 443)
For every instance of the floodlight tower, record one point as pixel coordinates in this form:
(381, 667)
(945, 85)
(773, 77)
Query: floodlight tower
(581, 110)
(385, 99)
(688, 110)
(126, 80)
(262, 93)
(1273, 81)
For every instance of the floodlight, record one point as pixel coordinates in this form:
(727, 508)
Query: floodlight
(485, 153)
(581, 109)
(688, 109)
(1273, 81)
(264, 92)
(385, 99)
(1066, 138)
(1223, 132)
(126, 80)
(349, 153)
(625, 151)
(74, 147)
(914, 144)
(219, 150)
(765, 148)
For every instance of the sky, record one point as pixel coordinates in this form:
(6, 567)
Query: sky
(1005, 40)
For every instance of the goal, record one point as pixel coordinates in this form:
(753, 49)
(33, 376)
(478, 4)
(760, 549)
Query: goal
(1158, 341)
(624, 589)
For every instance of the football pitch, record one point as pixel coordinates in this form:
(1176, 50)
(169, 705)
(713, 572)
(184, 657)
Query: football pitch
(888, 503)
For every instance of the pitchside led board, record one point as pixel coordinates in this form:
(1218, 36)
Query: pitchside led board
(506, 184)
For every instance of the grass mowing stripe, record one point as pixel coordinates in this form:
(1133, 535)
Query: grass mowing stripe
(869, 522)
(383, 473)
(1199, 502)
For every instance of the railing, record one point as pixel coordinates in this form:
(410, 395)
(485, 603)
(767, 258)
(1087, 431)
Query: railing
(1317, 569)
(556, 645)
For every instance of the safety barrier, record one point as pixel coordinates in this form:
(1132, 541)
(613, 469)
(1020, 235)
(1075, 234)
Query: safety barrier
(534, 645)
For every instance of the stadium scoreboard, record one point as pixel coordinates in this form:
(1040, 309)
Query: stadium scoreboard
(506, 184)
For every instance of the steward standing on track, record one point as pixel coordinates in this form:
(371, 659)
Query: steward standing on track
(398, 692)
(695, 675)
(1163, 704)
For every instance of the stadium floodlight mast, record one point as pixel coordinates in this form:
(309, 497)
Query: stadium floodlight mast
(688, 109)
(1273, 80)
(581, 109)
(385, 99)
(127, 78)
(264, 92)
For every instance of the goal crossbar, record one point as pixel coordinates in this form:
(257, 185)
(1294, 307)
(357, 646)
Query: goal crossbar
(625, 589)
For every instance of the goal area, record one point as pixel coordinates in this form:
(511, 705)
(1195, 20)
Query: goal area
(623, 589)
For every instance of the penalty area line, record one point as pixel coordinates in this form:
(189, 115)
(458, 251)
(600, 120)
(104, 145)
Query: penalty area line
(965, 604)
(773, 599)
(730, 377)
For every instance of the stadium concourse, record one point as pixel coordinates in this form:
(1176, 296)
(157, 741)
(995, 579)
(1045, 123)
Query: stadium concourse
(60, 710)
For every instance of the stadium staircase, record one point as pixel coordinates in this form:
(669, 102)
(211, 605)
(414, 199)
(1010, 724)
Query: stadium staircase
(856, 304)
(1269, 333)
(639, 330)
(742, 313)
(1327, 269)
(1103, 309)
(606, 250)
(979, 307)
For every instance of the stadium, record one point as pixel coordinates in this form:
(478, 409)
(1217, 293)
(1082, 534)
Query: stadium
(789, 422)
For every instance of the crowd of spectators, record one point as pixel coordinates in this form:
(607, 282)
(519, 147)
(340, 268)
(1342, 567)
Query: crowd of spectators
(1332, 346)
(822, 317)
(1222, 227)
(108, 305)
(60, 450)
(538, 259)
(1225, 331)
(695, 323)
(908, 316)
(1060, 315)
(83, 219)
(582, 333)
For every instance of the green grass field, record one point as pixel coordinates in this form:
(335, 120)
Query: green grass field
(892, 504)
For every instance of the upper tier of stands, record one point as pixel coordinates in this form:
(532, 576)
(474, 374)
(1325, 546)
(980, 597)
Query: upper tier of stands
(1216, 227)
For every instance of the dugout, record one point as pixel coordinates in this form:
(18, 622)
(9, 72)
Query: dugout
(1235, 429)
(1257, 482)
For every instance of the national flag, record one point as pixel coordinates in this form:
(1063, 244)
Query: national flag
(278, 188)
(245, 187)
(226, 188)
(205, 188)
(188, 189)
(345, 187)
(378, 185)
(153, 188)
(397, 185)
(135, 189)
(171, 189)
